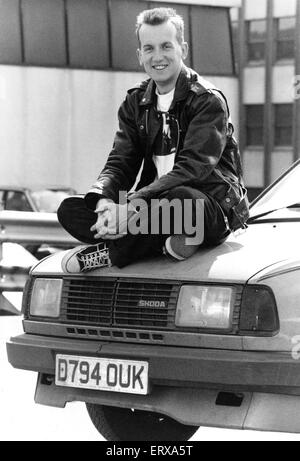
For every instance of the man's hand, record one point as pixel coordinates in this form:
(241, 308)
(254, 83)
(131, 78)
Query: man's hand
(103, 214)
(112, 220)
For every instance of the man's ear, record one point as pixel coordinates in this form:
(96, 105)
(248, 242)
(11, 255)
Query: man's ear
(139, 56)
(185, 50)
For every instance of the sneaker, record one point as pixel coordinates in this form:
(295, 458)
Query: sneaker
(86, 258)
(177, 249)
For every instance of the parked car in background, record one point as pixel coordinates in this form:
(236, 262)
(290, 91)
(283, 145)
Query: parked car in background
(25, 199)
(158, 348)
(12, 280)
(43, 200)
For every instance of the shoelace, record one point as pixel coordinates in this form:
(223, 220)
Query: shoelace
(98, 258)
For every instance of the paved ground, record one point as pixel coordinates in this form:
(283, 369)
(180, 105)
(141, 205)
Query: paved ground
(22, 419)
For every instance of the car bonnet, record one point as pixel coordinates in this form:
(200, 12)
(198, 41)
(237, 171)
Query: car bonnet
(241, 257)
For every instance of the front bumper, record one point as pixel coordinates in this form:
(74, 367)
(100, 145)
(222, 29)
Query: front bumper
(169, 366)
(186, 383)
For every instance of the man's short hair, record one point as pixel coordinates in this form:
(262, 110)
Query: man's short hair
(157, 16)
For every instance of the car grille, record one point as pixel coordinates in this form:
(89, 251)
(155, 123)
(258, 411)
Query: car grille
(120, 303)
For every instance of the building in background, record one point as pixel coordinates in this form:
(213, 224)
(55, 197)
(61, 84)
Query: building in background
(267, 45)
(65, 66)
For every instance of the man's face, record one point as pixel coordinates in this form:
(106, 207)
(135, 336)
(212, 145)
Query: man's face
(161, 54)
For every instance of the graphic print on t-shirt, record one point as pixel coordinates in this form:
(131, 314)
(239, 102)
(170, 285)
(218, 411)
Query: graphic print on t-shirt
(165, 147)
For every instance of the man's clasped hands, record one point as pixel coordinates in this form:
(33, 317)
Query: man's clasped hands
(112, 219)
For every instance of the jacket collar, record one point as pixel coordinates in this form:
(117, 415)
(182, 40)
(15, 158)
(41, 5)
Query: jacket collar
(183, 85)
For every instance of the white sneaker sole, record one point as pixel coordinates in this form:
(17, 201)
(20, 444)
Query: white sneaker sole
(69, 265)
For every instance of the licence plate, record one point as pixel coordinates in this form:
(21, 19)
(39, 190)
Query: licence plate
(102, 374)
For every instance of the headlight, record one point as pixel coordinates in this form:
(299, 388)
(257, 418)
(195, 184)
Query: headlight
(45, 298)
(204, 307)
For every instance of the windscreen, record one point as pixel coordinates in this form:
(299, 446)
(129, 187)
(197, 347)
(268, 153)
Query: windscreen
(284, 193)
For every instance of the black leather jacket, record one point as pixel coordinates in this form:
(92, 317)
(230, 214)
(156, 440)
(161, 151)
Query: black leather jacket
(207, 155)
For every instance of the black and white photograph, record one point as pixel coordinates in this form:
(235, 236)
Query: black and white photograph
(149, 223)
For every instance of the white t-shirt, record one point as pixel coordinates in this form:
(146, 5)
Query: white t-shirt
(164, 101)
(164, 163)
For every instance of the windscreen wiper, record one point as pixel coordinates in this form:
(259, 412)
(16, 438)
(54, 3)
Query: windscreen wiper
(295, 205)
(265, 213)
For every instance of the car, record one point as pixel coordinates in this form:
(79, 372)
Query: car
(12, 279)
(25, 199)
(158, 348)
(41, 200)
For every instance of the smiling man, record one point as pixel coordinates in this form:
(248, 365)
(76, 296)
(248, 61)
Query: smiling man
(176, 126)
(162, 51)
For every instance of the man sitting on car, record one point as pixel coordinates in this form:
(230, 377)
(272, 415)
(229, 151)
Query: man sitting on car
(177, 126)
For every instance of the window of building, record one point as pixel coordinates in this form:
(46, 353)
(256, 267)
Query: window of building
(256, 39)
(283, 124)
(44, 32)
(10, 32)
(285, 38)
(91, 48)
(211, 41)
(254, 125)
(123, 15)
